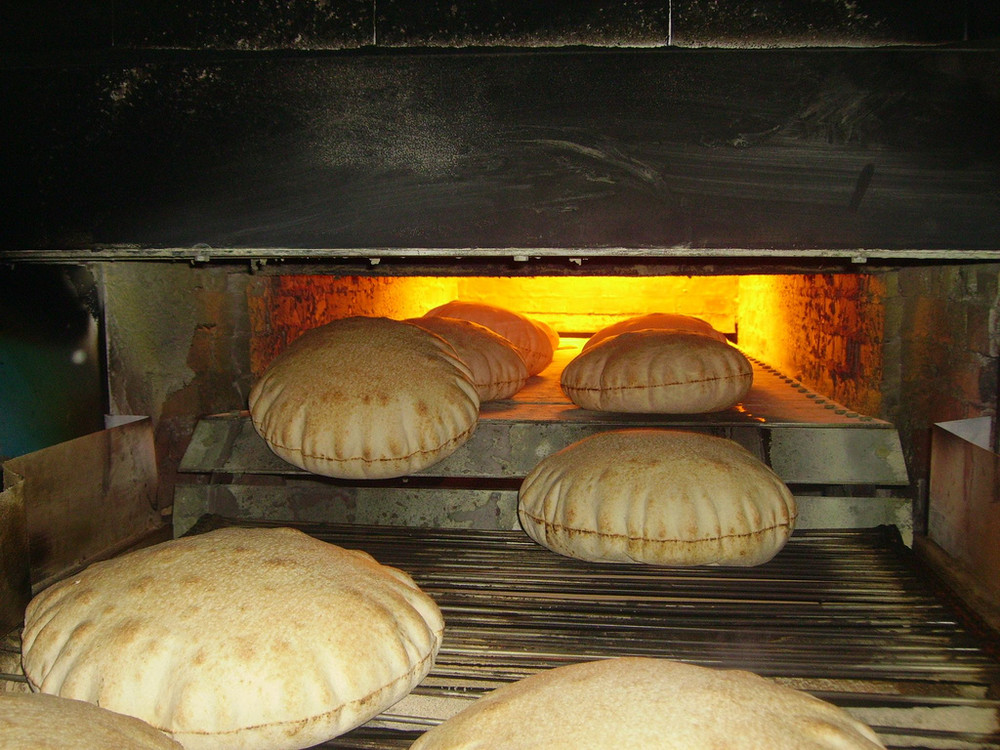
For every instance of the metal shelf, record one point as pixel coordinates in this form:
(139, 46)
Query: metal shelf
(846, 469)
(805, 437)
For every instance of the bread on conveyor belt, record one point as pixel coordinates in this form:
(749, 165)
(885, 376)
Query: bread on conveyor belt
(237, 638)
(656, 321)
(36, 721)
(497, 369)
(631, 703)
(535, 342)
(658, 496)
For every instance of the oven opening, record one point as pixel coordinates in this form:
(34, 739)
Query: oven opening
(814, 413)
(824, 330)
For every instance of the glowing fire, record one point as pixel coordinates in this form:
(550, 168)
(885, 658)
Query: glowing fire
(282, 307)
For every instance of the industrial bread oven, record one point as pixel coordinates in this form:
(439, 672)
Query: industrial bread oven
(823, 190)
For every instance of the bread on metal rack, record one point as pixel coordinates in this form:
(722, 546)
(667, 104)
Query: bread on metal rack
(658, 371)
(638, 703)
(236, 638)
(365, 398)
(667, 497)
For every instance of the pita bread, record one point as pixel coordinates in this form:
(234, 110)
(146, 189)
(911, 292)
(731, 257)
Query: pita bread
(656, 321)
(658, 371)
(497, 369)
(238, 638)
(531, 340)
(549, 331)
(47, 722)
(664, 497)
(365, 398)
(633, 703)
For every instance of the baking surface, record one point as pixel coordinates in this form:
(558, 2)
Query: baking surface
(849, 616)
(845, 615)
(804, 437)
(774, 398)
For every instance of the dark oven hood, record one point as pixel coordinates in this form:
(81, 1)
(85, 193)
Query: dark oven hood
(205, 179)
(569, 153)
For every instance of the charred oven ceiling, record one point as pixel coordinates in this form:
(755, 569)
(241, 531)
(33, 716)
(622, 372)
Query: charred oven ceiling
(570, 153)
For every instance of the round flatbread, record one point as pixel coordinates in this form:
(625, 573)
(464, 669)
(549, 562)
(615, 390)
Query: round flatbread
(365, 398)
(633, 703)
(497, 369)
(658, 371)
(238, 638)
(35, 721)
(656, 321)
(549, 331)
(531, 340)
(665, 497)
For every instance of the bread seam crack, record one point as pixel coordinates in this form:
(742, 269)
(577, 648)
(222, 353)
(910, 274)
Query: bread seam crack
(308, 719)
(650, 385)
(351, 459)
(606, 535)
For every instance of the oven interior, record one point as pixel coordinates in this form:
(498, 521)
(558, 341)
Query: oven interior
(838, 453)
(822, 189)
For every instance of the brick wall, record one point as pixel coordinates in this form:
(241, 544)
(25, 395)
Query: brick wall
(282, 308)
(822, 329)
(586, 304)
(914, 346)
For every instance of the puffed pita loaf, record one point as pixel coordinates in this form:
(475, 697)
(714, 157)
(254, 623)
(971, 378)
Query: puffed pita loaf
(530, 339)
(658, 321)
(638, 703)
(658, 371)
(237, 638)
(497, 369)
(365, 398)
(666, 497)
(549, 331)
(36, 721)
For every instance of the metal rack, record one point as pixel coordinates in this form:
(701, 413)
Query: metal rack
(847, 468)
(849, 616)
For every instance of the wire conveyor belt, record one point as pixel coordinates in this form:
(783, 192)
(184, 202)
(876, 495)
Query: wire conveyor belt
(849, 616)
